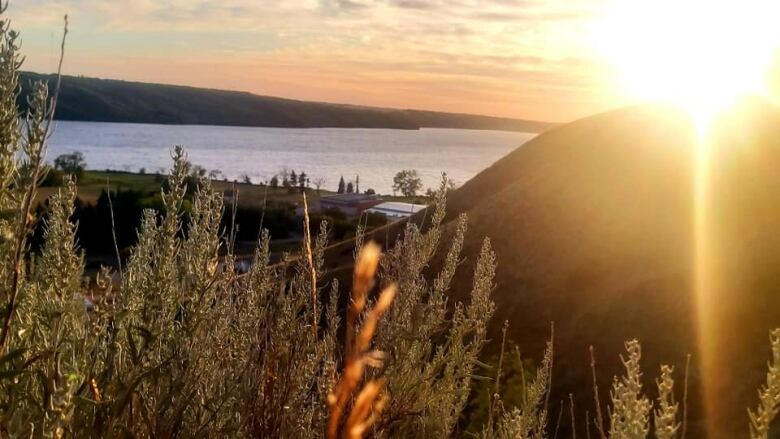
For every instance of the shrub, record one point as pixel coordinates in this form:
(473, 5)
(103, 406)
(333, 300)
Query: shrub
(278, 219)
(183, 347)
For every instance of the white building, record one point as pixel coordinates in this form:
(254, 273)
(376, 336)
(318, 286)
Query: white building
(395, 211)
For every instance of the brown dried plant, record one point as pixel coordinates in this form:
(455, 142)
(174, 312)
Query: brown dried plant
(370, 400)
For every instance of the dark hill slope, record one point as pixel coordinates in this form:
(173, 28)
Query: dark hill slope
(104, 100)
(588, 213)
(593, 225)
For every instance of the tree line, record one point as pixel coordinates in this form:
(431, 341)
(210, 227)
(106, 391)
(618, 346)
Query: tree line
(406, 182)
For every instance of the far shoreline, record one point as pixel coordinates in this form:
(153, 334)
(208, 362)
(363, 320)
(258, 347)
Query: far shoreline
(298, 128)
(86, 99)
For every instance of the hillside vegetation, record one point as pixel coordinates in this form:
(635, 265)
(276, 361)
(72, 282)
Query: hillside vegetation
(107, 100)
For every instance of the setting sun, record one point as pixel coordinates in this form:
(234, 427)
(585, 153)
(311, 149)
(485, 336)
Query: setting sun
(700, 54)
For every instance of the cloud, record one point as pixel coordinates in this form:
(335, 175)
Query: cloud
(330, 7)
(413, 4)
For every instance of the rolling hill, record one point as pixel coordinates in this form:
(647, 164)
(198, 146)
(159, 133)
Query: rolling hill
(593, 226)
(105, 100)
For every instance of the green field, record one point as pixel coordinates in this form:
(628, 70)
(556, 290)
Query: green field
(249, 195)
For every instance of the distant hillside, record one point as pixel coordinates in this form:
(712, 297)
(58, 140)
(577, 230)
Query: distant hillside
(103, 100)
(592, 223)
(433, 119)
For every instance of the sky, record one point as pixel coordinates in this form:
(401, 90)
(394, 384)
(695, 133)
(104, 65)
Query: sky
(531, 59)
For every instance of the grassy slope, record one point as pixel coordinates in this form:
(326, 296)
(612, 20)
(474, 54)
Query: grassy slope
(92, 99)
(593, 226)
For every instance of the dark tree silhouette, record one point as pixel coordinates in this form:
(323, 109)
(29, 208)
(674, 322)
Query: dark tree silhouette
(72, 163)
(342, 185)
(407, 182)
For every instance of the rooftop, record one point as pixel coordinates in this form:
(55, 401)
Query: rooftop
(397, 207)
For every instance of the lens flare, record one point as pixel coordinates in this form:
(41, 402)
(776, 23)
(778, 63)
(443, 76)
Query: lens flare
(702, 55)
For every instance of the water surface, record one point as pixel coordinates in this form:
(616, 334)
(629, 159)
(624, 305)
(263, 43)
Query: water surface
(373, 154)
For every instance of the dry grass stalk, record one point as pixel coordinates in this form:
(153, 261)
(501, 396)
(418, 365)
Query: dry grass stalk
(573, 419)
(367, 408)
(762, 417)
(587, 424)
(558, 422)
(369, 401)
(113, 230)
(310, 260)
(685, 398)
(362, 280)
(495, 399)
(665, 414)
(599, 416)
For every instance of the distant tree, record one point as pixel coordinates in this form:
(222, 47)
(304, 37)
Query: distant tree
(285, 174)
(318, 182)
(214, 174)
(246, 179)
(302, 179)
(142, 171)
(342, 186)
(407, 182)
(370, 191)
(274, 181)
(350, 188)
(357, 184)
(293, 178)
(72, 163)
(198, 171)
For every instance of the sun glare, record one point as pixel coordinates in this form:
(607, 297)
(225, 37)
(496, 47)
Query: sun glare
(701, 54)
